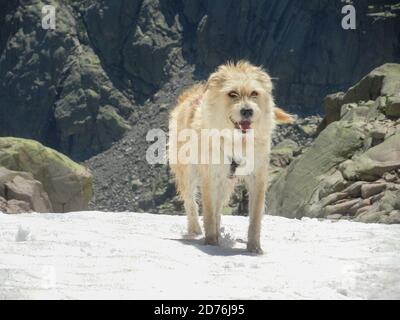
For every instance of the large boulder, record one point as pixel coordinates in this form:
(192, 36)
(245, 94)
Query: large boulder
(301, 182)
(383, 81)
(373, 163)
(67, 184)
(352, 170)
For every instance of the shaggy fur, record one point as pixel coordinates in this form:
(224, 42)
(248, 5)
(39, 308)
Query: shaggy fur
(221, 103)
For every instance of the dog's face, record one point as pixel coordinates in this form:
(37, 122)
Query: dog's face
(240, 96)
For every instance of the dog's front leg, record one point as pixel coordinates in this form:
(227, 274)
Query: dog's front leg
(210, 215)
(257, 187)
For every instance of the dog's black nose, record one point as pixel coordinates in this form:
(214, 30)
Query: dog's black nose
(246, 112)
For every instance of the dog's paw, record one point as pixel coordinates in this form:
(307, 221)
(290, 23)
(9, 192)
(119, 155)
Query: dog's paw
(254, 248)
(195, 231)
(211, 241)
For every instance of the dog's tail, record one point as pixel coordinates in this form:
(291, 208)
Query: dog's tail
(282, 116)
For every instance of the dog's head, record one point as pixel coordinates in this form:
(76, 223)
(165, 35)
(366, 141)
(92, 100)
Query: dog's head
(239, 95)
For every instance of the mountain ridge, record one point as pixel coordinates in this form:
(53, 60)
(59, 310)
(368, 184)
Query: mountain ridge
(92, 75)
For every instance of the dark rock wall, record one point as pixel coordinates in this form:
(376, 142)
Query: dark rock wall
(53, 87)
(74, 88)
(301, 43)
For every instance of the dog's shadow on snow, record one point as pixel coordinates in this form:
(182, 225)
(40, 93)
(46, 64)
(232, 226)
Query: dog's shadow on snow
(214, 250)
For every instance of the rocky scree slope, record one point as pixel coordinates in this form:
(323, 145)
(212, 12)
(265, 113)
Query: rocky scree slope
(78, 87)
(123, 179)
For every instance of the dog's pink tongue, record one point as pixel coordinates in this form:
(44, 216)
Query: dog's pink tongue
(245, 125)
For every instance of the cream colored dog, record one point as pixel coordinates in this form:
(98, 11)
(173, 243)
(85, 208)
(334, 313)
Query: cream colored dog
(238, 96)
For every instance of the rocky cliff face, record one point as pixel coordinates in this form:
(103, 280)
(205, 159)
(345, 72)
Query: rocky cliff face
(301, 43)
(78, 88)
(352, 170)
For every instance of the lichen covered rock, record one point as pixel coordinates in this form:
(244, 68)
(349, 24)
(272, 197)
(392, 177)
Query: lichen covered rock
(67, 184)
(352, 170)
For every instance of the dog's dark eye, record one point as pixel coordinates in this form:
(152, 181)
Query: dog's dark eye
(254, 94)
(233, 94)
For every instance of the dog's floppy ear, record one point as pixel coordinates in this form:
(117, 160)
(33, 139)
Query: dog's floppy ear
(215, 79)
(265, 80)
(282, 117)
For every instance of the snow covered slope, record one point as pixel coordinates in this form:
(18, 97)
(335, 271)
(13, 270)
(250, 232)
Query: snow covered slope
(139, 256)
